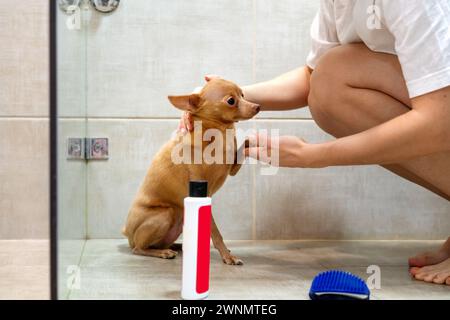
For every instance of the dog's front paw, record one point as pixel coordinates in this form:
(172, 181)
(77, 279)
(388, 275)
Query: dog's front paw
(232, 260)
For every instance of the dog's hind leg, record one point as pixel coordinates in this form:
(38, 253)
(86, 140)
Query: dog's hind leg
(158, 253)
(148, 237)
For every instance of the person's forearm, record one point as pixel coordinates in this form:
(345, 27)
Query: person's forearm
(414, 134)
(288, 91)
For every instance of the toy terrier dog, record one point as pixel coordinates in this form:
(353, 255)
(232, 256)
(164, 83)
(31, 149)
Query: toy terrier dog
(155, 218)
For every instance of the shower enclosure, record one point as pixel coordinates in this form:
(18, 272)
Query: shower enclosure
(113, 65)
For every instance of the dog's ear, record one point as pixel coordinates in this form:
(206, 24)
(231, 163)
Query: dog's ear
(187, 103)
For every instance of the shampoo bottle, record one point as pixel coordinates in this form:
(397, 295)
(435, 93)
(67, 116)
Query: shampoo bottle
(196, 242)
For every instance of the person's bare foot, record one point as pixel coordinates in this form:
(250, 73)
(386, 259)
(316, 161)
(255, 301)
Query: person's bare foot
(432, 266)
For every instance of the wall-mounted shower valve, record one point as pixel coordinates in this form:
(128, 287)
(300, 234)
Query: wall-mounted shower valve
(87, 148)
(75, 148)
(105, 6)
(97, 148)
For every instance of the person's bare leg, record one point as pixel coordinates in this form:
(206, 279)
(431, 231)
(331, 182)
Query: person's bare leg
(354, 89)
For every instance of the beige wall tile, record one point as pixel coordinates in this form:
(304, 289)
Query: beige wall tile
(113, 183)
(24, 176)
(71, 51)
(343, 202)
(24, 58)
(147, 50)
(173, 45)
(282, 41)
(282, 35)
(176, 43)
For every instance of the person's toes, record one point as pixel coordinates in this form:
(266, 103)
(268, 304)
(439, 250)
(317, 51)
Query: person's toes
(420, 275)
(429, 277)
(439, 273)
(440, 278)
(425, 272)
(447, 282)
(414, 270)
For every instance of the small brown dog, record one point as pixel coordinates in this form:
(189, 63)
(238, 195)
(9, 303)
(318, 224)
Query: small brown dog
(155, 219)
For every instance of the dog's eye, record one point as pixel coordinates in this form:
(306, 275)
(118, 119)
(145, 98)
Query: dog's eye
(231, 101)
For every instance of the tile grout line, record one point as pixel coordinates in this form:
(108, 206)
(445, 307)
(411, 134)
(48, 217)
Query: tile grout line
(85, 119)
(253, 123)
(107, 118)
(86, 131)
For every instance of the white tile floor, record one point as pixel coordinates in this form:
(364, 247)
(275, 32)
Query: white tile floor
(272, 270)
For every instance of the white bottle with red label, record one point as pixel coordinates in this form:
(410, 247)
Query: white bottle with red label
(196, 242)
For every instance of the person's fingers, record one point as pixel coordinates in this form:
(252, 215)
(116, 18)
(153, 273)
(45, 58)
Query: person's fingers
(258, 153)
(252, 152)
(188, 121)
(184, 124)
(259, 140)
(251, 141)
(183, 129)
(264, 141)
(209, 77)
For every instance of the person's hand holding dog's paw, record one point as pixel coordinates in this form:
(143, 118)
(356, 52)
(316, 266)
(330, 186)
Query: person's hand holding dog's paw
(284, 151)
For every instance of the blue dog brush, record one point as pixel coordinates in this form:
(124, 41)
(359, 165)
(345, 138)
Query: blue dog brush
(338, 285)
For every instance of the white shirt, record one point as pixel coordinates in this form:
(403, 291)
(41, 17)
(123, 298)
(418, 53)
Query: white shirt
(417, 31)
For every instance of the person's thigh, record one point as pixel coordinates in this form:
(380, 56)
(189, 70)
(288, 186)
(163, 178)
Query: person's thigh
(354, 89)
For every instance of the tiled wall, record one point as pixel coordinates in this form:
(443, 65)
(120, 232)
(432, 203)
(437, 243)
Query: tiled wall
(149, 49)
(174, 44)
(23, 119)
(118, 70)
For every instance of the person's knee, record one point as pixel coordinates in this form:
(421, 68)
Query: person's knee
(328, 89)
(333, 74)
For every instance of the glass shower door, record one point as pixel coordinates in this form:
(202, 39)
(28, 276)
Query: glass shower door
(71, 143)
(115, 71)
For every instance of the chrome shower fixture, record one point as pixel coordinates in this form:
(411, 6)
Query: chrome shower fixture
(69, 6)
(105, 6)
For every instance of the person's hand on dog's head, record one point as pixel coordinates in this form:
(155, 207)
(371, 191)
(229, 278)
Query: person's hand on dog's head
(186, 124)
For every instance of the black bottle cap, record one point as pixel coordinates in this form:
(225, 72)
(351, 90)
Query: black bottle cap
(198, 189)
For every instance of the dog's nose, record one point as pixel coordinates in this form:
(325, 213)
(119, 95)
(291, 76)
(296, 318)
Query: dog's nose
(257, 108)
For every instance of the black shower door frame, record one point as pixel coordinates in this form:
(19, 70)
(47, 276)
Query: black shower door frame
(53, 135)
